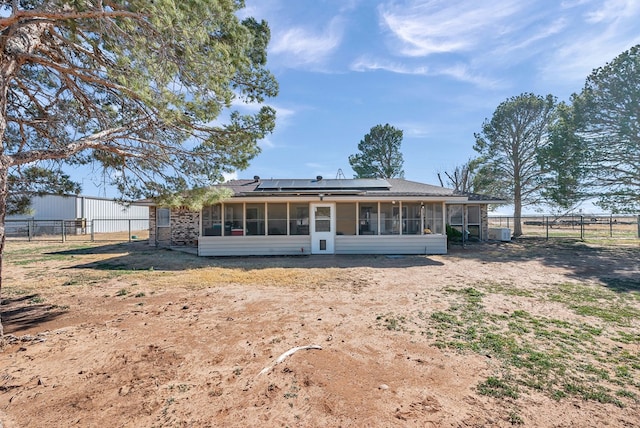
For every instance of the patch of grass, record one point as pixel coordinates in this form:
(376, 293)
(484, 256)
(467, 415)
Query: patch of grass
(505, 289)
(499, 388)
(122, 292)
(626, 393)
(14, 291)
(539, 353)
(515, 419)
(612, 313)
(139, 294)
(595, 393)
(445, 318)
(596, 301)
(392, 322)
(41, 259)
(36, 299)
(625, 337)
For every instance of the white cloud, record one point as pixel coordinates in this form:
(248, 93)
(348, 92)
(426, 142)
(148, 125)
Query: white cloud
(608, 30)
(463, 73)
(266, 143)
(228, 176)
(613, 10)
(460, 72)
(366, 64)
(531, 41)
(303, 46)
(413, 130)
(425, 28)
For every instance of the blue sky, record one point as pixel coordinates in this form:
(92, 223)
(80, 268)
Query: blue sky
(435, 69)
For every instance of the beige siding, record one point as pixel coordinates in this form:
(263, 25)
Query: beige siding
(391, 244)
(254, 245)
(300, 245)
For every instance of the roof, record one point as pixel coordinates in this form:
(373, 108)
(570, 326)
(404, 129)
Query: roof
(372, 187)
(357, 186)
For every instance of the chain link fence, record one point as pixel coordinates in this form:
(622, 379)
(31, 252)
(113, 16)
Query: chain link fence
(77, 230)
(601, 226)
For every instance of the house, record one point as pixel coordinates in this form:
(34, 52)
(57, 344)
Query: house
(323, 216)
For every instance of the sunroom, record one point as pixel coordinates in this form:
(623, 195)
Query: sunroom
(323, 216)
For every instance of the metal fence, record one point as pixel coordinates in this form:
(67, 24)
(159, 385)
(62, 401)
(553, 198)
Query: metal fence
(77, 230)
(601, 226)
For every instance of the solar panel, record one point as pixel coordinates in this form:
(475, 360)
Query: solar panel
(324, 184)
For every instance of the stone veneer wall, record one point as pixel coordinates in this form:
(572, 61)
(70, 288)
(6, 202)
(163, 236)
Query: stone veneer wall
(484, 221)
(185, 227)
(152, 226)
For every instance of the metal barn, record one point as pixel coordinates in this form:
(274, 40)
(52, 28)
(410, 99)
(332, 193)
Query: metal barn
(106, 215)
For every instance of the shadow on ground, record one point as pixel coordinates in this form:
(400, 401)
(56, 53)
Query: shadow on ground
(19, 313)
(139, 256)
(615, 266)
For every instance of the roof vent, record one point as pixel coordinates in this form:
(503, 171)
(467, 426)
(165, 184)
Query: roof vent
(319, 178)
(256, 178)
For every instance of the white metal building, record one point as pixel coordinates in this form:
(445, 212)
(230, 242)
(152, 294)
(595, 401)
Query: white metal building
(107, 213)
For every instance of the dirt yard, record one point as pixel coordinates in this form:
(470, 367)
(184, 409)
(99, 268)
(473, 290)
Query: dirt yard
(526, 333)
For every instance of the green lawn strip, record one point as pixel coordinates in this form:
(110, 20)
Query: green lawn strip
(597, 301)
(556, 357)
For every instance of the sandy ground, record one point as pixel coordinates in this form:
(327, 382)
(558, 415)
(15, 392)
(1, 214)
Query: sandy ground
(194, 342)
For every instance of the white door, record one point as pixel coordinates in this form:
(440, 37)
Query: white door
(323, 225)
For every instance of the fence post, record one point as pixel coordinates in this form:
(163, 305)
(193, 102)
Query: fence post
(63, 231)
(30, 229)
(129, 230)
(638, 225)
(582, 228)
(547, 224)
(93, 228)
(610, 225)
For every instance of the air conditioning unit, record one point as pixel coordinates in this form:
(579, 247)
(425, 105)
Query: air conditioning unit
(500, 234)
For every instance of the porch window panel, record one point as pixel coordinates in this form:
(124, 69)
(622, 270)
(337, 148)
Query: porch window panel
(277, 219)
(368, 218)
(473, 221)
(212, 220)
(455, 215)
(255, 219)
(233, 219)
(346, 221)
(389, 218)
(433, 218)
(299, 219)
(411, 218)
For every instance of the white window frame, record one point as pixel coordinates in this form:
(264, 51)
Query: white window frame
(163, 220)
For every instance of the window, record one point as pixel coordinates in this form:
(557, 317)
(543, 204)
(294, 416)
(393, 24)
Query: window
(299, 219)
(411, 222)
(277, 219)
(473, 222)
(433, 218)
(368, 220)
(255, 219)
(346, 219)
(233, 220)
(322, 219)
(163, 217)
(212, 220)
(389, 218)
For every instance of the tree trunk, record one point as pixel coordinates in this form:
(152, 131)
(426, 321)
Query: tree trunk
(517, 211)
(4, 170)
(8, 66)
